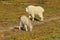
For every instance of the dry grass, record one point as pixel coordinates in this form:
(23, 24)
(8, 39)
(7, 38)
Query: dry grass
(10, 14)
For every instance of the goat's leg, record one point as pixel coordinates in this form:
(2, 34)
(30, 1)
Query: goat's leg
(30, 28)
(20, 25)
(26, 27)
(41, 16)
(32, 17)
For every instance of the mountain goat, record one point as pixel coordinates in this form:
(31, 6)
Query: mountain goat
(25, 22)
(35, 10)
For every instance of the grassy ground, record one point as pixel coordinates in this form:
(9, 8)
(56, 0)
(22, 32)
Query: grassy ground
(11, 11)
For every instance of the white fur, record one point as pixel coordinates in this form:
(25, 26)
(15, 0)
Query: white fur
(26, 22)
(35, 10)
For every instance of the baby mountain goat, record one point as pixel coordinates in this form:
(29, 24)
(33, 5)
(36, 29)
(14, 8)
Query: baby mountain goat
(25, 22)
(35, 10)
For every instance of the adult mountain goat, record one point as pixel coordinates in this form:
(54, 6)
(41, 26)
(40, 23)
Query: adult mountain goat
(35, 10)
(25, 22)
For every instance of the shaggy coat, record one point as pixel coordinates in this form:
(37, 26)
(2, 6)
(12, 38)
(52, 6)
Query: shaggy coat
(35, 10)
(26, 22)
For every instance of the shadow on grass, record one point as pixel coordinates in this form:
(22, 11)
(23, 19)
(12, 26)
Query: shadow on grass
(35, 19)
(22, 28)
